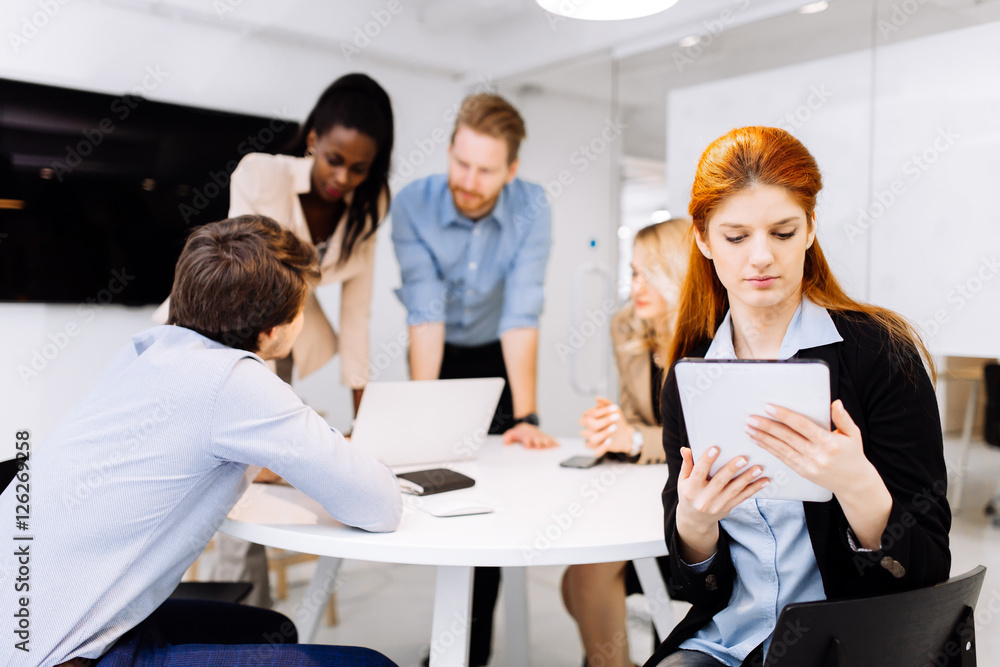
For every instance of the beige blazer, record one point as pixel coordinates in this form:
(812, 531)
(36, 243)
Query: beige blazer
(635, 400)
(270, 185)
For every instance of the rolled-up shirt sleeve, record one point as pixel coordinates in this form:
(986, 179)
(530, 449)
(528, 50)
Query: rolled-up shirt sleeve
(424, 291)
(258, 420)
(524, 287)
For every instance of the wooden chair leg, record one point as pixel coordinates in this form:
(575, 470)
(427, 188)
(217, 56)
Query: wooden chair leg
(331, 611)
(281, 581)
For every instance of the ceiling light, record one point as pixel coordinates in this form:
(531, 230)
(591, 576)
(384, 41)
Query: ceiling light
(661, 215)
(814, 7)
(623, 232)
(605, 10)
(689, 41)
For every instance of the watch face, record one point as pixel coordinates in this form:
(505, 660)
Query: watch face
(637, 442)
(529, 419)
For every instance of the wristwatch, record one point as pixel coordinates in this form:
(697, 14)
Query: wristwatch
(637, 442)
(530, 418)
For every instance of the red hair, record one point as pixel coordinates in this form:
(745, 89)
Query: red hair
(737, 161)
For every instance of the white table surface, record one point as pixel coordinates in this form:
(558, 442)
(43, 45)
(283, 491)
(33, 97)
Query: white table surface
(545, 515)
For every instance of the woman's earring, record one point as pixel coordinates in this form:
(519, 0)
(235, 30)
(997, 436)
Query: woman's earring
(310, 151)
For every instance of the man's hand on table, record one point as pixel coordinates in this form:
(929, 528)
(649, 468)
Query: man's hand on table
(530, 436)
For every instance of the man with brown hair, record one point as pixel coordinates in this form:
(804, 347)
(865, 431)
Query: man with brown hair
(472, 247)
(131, 485)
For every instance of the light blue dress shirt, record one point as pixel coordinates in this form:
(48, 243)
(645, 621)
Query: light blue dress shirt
(130, 486)
(479, 278)
(769, 540)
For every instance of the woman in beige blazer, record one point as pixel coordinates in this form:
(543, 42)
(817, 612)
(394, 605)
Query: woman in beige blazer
(630, 430)
(333, 198)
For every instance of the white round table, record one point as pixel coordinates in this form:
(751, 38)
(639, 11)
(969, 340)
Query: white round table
(544, 515)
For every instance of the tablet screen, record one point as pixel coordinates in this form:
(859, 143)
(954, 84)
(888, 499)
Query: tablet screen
(717, 396)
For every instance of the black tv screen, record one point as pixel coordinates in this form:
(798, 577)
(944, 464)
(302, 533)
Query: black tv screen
(99, 192)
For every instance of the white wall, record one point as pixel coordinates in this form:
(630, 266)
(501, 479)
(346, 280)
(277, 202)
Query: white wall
(936, 248)
(103, 48)
(584, 209)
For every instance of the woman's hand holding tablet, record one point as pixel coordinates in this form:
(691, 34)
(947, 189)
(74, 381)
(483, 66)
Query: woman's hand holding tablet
(834, 460)
(703, 499)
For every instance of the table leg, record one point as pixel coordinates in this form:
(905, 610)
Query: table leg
(515, 603)
(317, 596)
(966, 445)
(452, 611)
(655, 592)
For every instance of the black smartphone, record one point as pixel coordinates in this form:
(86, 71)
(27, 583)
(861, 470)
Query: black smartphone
(580, 462)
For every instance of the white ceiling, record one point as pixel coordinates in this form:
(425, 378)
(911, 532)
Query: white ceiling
(468, 39)
(642, 81)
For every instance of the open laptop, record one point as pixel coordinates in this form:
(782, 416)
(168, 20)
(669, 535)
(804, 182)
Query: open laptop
(426, 421)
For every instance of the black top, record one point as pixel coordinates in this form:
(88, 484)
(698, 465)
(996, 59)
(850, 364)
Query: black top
(890, 398)
(655, 386)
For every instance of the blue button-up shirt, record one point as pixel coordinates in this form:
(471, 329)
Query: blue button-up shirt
(769, 540)
(480, 278)
(131, 484)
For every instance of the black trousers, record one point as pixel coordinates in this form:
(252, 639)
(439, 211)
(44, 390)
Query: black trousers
(482, 361)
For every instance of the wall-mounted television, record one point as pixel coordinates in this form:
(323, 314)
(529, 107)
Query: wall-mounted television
(99, 192)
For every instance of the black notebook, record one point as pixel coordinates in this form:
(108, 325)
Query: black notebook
(435, 480)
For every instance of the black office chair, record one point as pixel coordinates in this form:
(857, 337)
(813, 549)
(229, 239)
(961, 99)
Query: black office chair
(218, 591)
(931, 626)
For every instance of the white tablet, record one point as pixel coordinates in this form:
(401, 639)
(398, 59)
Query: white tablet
(717, 397)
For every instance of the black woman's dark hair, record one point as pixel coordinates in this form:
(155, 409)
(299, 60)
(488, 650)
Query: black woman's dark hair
(356, 102)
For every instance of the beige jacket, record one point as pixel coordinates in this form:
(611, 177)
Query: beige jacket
(635, 401)
(270, 185)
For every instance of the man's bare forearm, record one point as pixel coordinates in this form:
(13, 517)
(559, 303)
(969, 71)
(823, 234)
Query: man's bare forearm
(520, 354)
(426, 350)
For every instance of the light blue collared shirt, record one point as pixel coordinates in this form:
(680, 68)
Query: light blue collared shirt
(769, 540)
(130, 486)
(479, 278)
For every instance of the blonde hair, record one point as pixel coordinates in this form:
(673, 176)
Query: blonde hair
(663, 248)
(495, 117)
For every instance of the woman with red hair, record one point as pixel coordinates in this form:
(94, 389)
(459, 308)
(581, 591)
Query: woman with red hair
(759, 287)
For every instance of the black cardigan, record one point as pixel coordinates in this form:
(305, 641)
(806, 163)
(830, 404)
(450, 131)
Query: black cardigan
(890, 397)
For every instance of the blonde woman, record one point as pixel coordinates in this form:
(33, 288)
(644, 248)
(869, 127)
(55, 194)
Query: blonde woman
(641, 334)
